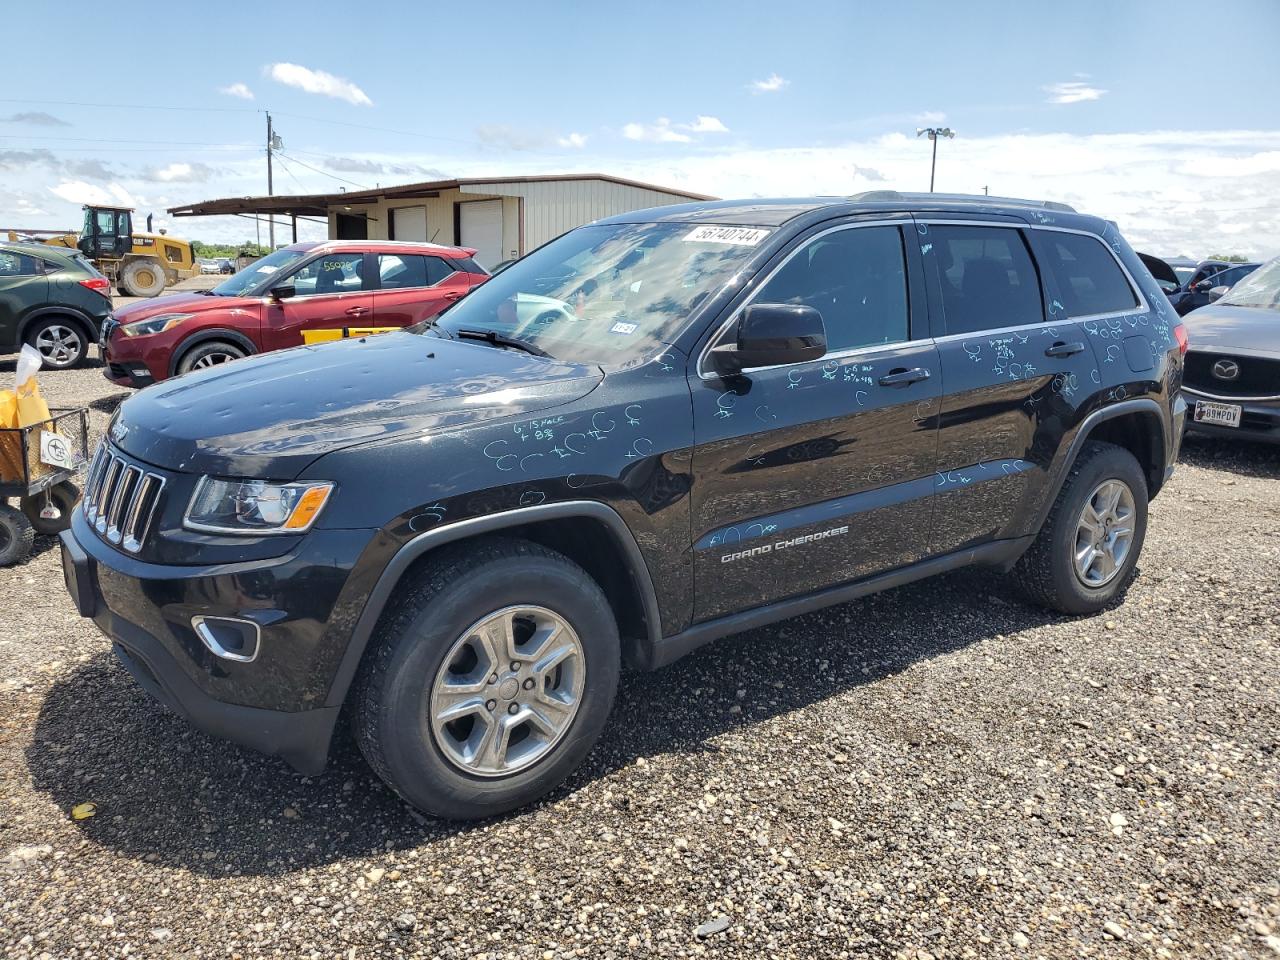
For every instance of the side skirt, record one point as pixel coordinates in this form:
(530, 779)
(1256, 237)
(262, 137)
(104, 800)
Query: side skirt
(1001, 554)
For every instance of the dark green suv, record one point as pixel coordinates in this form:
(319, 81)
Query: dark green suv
(53, 299)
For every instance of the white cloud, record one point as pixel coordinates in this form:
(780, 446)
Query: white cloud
(663, 131)
(37, 118)
(1073, 91)
(705, 124)
(79, 192)
(575, 140)
(317, 81)
(659, 132)
(771, 84)
(237, 90)
(181, 173)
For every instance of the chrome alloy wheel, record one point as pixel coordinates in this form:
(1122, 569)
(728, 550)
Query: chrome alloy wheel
(507, 691)
(59, 344)
(214, 358)
(1104, 533)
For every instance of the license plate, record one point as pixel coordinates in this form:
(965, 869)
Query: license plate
(1218, 414)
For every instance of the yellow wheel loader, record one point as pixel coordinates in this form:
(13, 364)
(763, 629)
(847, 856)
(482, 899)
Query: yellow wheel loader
(139, 264)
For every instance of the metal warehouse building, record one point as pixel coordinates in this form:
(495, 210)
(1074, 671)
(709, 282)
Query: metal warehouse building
(502, 217)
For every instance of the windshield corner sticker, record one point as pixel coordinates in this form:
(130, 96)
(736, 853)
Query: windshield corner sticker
(624, 328)
(738, 236)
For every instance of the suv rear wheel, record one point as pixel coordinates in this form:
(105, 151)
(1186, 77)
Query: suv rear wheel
(1087, 550)
(61, 342)
(489, 680)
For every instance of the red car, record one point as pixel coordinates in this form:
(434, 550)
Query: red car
(272, 303)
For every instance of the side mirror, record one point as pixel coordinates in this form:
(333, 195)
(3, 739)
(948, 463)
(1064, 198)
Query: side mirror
(770, 334)
(283, 291)
(1204, 286)
(1216, 293)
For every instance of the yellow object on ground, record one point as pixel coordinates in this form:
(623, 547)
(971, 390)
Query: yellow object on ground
(341, 333)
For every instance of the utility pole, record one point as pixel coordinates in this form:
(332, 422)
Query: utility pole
(986, 192)
(270, 144)
(934, 133)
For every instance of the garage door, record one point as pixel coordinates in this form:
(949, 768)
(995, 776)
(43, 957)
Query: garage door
(481, 222)
(409, 223)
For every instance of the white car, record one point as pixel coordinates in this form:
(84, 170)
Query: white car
(209, 266)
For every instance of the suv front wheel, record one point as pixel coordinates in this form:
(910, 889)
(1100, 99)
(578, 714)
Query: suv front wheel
(1087, 550)
(489, 680)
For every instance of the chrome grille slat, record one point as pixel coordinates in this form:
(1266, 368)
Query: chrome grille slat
(121, 499)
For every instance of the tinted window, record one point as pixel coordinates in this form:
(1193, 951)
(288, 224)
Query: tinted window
(855, 278)
(467, 265)
(17, 265)
(438, 269)
(332, 273)
(987, 277)
(401, 270)
(1088, 277)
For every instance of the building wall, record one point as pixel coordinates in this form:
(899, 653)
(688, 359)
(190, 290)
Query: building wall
(553, 206)
(550, 208)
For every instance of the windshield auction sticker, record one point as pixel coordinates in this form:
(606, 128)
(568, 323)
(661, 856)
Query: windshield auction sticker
(738, 236)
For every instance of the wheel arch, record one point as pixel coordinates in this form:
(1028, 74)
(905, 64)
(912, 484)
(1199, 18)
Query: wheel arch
(210, 335)
(1136, 425)
(79, 317)
(590, 533)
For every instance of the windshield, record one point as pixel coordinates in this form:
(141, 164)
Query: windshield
(606, 294)
(1259, 289)
(244, 282)
(1184, 273)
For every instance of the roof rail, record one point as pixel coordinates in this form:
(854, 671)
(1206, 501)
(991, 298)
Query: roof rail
(883, 196)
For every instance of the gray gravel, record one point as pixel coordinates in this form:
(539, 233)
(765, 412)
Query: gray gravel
(938, 771)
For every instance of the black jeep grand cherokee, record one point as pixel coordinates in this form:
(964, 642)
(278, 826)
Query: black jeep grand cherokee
(656, 430)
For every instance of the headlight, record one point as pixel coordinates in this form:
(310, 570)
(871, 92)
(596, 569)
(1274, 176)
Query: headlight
(255, 506)
(166, 321)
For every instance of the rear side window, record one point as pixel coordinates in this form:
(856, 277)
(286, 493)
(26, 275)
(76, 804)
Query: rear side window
(1089, 280)
(855, 278)
(467, 265)
(403, 270)
(987, 277)
(17, 265)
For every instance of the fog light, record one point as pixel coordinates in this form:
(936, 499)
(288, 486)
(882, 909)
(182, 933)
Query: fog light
(228, 637)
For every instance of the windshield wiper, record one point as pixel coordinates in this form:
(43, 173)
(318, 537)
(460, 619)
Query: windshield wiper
(500, 340)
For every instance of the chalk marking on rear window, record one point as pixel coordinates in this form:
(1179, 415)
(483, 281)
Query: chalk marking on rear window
(738, 236)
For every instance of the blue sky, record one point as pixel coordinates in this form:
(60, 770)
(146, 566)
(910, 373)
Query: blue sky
(1153, 114)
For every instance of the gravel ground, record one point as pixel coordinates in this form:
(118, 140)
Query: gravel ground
(938, 771)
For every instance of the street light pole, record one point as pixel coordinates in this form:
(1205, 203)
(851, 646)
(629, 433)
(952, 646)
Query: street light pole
(934, 133)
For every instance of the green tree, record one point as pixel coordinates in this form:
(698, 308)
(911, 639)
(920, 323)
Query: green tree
(1229, 257)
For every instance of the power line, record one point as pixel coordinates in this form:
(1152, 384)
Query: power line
(365, 126)
(325, 173)
(176, 143)
(126, 106)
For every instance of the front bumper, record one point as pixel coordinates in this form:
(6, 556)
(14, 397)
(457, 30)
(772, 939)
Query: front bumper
(278, 703)
(1259, 419)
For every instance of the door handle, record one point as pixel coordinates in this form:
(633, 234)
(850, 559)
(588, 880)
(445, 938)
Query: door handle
(1061, 349)
(453, 295)
(356, 311)
(904, 377)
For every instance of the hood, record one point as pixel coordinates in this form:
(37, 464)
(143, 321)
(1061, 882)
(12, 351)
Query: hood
(181, 303)
(1221, 326)
(1159, 269)
(269, 416)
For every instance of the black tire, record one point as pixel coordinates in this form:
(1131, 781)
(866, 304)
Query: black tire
(64, 496)
(459, 587)
(61, 341)
(142, 277)
(209, 354)
(16, 535)
(1046, 573)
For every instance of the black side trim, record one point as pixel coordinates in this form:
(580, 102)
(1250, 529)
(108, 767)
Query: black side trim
(204, 336)
(1144, 405)
(998, 553)
(477, 526)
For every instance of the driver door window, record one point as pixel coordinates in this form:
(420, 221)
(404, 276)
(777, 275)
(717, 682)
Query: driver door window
(330, 274)
(857, 280)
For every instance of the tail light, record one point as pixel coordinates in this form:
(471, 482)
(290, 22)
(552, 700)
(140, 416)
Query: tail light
(98, 285)
(1180, 334)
